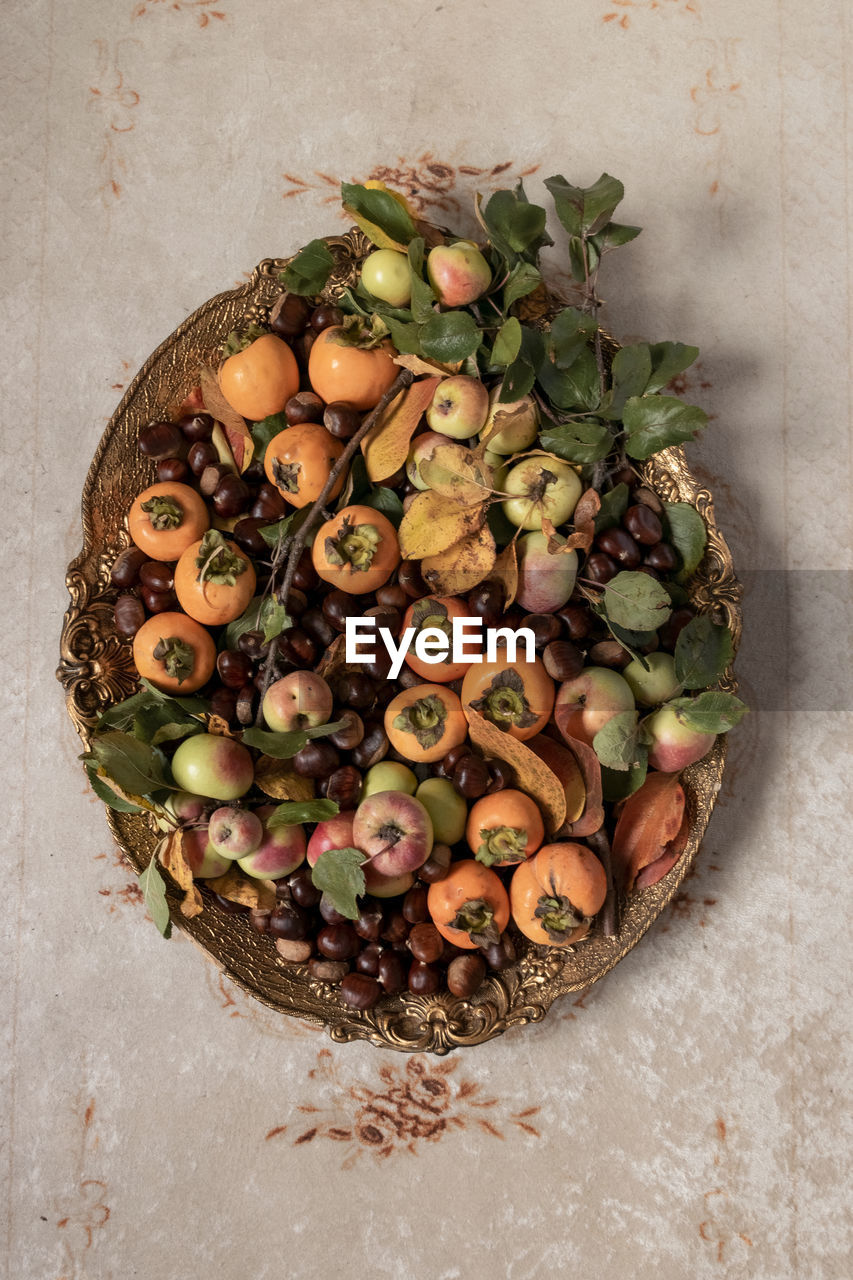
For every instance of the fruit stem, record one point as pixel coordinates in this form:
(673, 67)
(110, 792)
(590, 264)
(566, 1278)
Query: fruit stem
(404, 379)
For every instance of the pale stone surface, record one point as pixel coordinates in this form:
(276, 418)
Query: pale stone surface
(689, 1116)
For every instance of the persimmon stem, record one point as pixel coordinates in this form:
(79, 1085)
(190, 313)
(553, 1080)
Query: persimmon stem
(296, 544)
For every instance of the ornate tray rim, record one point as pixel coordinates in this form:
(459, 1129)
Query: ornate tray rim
(96, 668)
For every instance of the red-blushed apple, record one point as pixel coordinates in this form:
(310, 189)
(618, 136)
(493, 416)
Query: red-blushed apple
(511, 427)
(234, 832)
(394, 830)
(388, 775)
(299, 700)
(585, 704)
(545, 581)
(332, 833)
(182, 806)
(458, 273)
(421, 450)
(674, 745)
(203, 860)
(541, 488)
(386, 886)
(656, 684)
(215, 766)
(281, 850)
(446, 807)
(459, 407)
(385, 273)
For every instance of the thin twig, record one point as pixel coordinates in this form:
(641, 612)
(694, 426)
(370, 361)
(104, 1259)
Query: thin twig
(600, 846)
(296, 544)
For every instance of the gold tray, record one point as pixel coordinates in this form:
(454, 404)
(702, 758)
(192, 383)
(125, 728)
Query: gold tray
(96, 670)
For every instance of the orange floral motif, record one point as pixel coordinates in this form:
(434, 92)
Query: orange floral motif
(622, 19)
(686, 906)
(83, 1211)
(720, 1225)
(426, 183)
(411, 1104)
(201, 8)
(718, 93)
(115, 102)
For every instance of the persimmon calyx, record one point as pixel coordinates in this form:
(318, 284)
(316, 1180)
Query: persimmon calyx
(559, 917)
(355, 545)
(504, 702)
(177, 657)
(356, 332)
(286, 475)
(217, 562)
(501, 844)
(430, 614)
(424, 719)
(164, 512)
(240, 340)
(476, 917)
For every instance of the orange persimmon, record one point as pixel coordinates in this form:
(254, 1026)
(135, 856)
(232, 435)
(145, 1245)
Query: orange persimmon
(438, 612)
(260, 379)
(469, 907)
(504, 828)
(174, 652)
(214, 580)
(299, 460)
(425, 722)
(357, 550)
(166, 518)
(556, 893)
(340, 369)
(517, 696)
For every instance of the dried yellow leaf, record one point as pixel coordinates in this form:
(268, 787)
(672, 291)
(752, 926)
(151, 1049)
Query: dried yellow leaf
(533, 776)
(386, 445)
(461, 567)
(238, 887)
(278, 779)
(433, 523)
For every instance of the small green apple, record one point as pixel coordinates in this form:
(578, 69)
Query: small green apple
(512, 427)
(657, 684)
(459, 407)
(388, 775)
(385, 273)
(541, 488)
(446, 807)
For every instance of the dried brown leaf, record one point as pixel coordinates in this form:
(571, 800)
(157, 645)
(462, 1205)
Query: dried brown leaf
(172, 859)
(454, 571)
(455, 472)
(278, 778)
(386, 445)
(238, 887)
(593, 814)
(419, 366)
(237, 433)
(505, 572)
(658, 869)
(648, 823)
(561, 761)
(433, 523)
(533, 775)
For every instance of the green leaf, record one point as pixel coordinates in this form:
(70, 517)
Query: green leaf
(449, 337)
(516, 227)
(687, 533)
(309, 271)
(631, 370)
(153, 888)
(109, 797)
(614, 235)
(703, 651)
(518, 381)
(618, 784)
(406, 337)
(585, 208)
(507, 343)
(631, 639)
(272, 534)
(381, 209)
(655, 422)
(571, 331)
(614, 504)
(383, 499)
(260, 612)
(636, 601)
(283, 746)
(522, 280)
(275, 620)
(293, 812)
(578, 387)
(124, 714)
(265, 431)
(710, 712)
(423, 298)
(167, 731)
(337, 873)
(668, 360)
(134, 766)
(578, 441)
(617, 744)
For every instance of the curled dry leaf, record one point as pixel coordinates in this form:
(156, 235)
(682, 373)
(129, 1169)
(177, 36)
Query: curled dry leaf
(237, 887)
(533, 775)
(219, 727)
(433, 523)
(418, 366)
(172, 859)
(649, 828)
(559, 545)
(592, 817)
(456, 472)
(386, 445)
(562, 762)
(456, 570)
(657, 870)
(505, 571)
(278, 778)
(237, 434)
